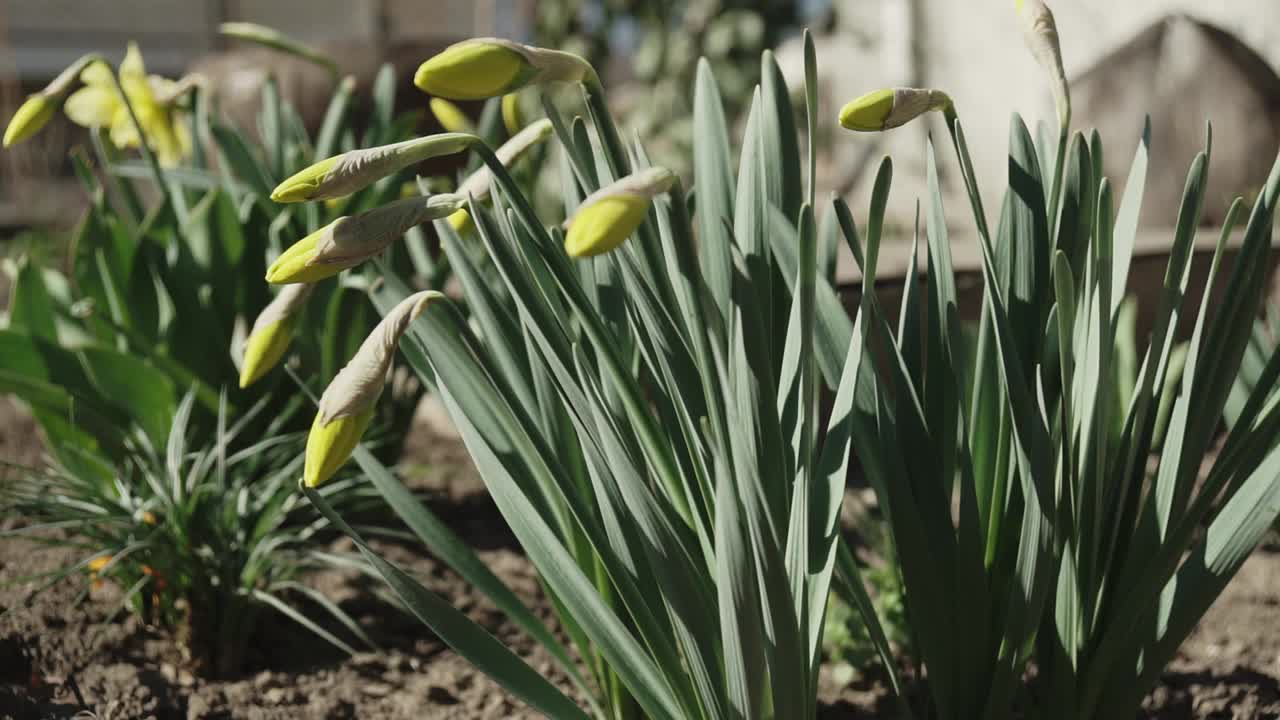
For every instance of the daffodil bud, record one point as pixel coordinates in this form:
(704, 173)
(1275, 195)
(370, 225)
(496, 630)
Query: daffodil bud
(1040, 31)
(459, 221)
(482, 68)
(38, 109)
(272, 332)
(352, 171)
(609, 215)
(350, 240)
(512, 119)
(34, 113)
(347, 405)
(890, 108)
(451, 117)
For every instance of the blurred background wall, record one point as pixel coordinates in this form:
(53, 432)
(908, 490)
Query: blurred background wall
(1184, 61)
(1125, 58)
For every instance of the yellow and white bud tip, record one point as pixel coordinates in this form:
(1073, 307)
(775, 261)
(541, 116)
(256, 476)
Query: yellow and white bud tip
(272, 332)
(890, 108)
(347, 405)
(32, 115)
(611, 214)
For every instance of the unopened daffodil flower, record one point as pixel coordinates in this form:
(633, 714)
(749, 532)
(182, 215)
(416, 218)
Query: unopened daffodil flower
(890, 108)
(347, 405)
(154, 101)
(272, 331)
(482, 68)
(350, 240)
(38, 109)
(609, 215)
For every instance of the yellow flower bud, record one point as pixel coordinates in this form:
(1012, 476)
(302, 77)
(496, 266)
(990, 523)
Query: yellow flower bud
(511, 118)
(330, 444)
(482, 68)
(353, 171)
(609, 215)
(867, 113)
(890, 108)
(294, 264)
(347, 405)
(460, 221)
(34, 113)
(451, 117)
(271, 333)
(349, 241)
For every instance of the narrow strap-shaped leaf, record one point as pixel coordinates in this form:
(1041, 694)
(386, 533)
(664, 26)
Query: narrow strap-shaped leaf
(297, 616)
(833, 327)
(446, 545)
(460, 632)
(715, 186)
(811, 113)
(335, 118)
(579, 595)
(1126, 231)
(738, 599)
(778, 135)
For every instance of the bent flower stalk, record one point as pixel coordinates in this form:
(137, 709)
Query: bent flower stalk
(479, 185)
(347, 405)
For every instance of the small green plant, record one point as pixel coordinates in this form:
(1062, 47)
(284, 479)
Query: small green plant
(202, 539)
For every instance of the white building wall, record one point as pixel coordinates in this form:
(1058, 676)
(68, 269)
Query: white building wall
(974, 51)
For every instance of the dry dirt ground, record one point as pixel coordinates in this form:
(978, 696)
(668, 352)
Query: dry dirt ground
(65, 654)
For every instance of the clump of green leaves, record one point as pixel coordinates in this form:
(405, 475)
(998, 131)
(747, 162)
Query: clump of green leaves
(171, 479)
(202, 539)
(1063, 489)
(644, 414)
(162, 277)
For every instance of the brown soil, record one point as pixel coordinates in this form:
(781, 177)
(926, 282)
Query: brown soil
(64, 653)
